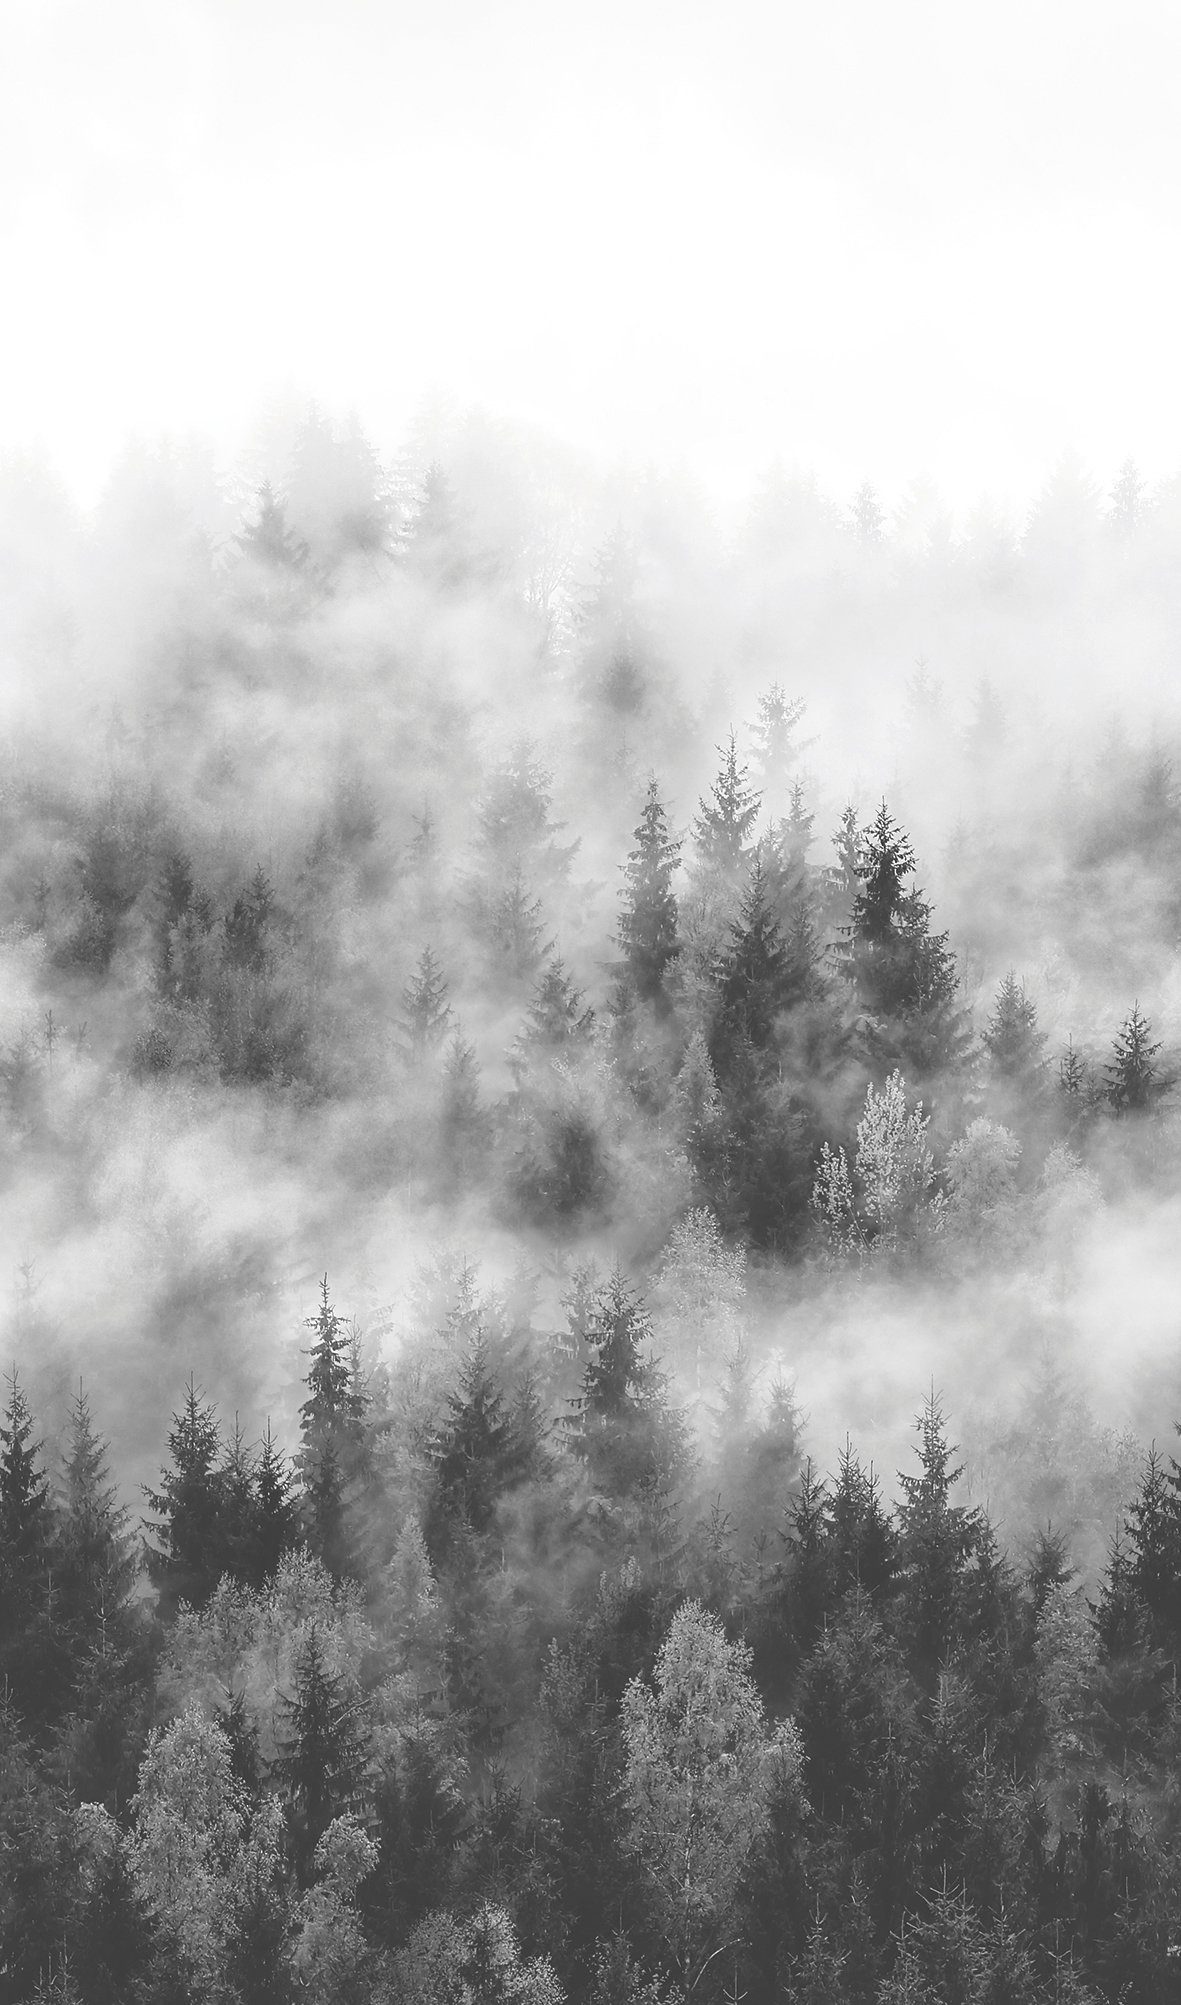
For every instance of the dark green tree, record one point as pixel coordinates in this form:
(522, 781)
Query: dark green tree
(333, 1457)
(26, 1550)
(186, 1562)
(1012, 1039)
(904, 975)
(936, 1540)
(94, 1564)
(323, 1748)
(1132, 1078)
(426, 1012)
(648, 922)
(723, 827)
(277, 1527)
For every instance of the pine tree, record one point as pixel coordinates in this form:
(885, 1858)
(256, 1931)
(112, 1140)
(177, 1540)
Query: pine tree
(1012, 1039)
(276, 1528)
(648, 922)
(1132, 1079)
(268, 541)
(556, 1023)
(476, 1454)
(426, 1011)
(724, 823)
(904, 974)
(333, 1453)
(464, 1124)
(755, 982)
(323, 1747)
(94, 1566)
(775, 749)
(26, 1545)
(517, 931)
(860, 1537)
(869, 520)
(936, 1538)
(186, 1562)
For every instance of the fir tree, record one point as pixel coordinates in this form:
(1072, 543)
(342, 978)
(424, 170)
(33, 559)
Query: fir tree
(476, 1455)
(518, 934)
(775, 749)
(936, 1538)
(648, 922)
(27, 1662)
(904, 974)
(94, 1566)
(725, 821)
(556, 1023)
(1132, 1080)
(186, 1562)
(333, 1453)
(268, 541)
(276, 1527)
(426, 1011)
(754, 985)
(323, 1747)
(1012, 1039)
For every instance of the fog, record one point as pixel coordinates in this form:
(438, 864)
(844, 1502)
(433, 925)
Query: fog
(447, 683)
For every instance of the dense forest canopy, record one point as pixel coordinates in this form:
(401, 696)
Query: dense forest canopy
(539, 1032)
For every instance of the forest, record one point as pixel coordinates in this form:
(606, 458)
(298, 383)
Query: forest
(590, 1187)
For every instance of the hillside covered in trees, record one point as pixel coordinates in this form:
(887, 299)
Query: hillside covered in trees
(538, 1035)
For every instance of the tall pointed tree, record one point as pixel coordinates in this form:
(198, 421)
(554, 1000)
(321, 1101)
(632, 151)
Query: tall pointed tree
(1132, 1076)
(185, 1564)
(723, 828)
(333, 1453)
(648, 921)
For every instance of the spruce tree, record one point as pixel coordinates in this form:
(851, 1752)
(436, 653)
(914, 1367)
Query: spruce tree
(775, 749)
(755, 983)
(904, 975)
(27, 1661)
(94, 1566)
(268, 541)
(724, 824)
(277, 1528)
(426, 1013)
(323, 1747)
(333, 1454)
(556, 1023)
(648, 922)
(1012, 1039)
(936, 1538)
(518, 932)
(185, 1564)
(476, 1453)
(1132, 1077)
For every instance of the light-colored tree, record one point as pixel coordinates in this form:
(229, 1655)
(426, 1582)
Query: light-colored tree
(700, 1291)
(703, 1768)
(477, 1962)
(888, 1197)
(189, 1819)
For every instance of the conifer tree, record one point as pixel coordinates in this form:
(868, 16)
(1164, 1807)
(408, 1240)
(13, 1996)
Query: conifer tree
(185, 1564)
(556, 1023)
(775, 749)
(476, 1455)
(1011, 1038)
(1132, 1079)
(94, 1566)
(426, 1012)
(648, 922)
(754, 985)
(323, 1747)
(904, 975)
(333, 1453)
(518, 934)
(936, 1538)
(724, 824)
(463, 1121)
(26, 1536)
(276, 1528)
(268, 541)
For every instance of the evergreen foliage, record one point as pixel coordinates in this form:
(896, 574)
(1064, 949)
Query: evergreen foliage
(648, 923)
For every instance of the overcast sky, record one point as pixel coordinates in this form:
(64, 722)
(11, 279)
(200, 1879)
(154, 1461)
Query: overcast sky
(877, 240)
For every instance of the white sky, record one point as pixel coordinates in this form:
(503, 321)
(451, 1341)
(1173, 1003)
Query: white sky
(879, 240)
